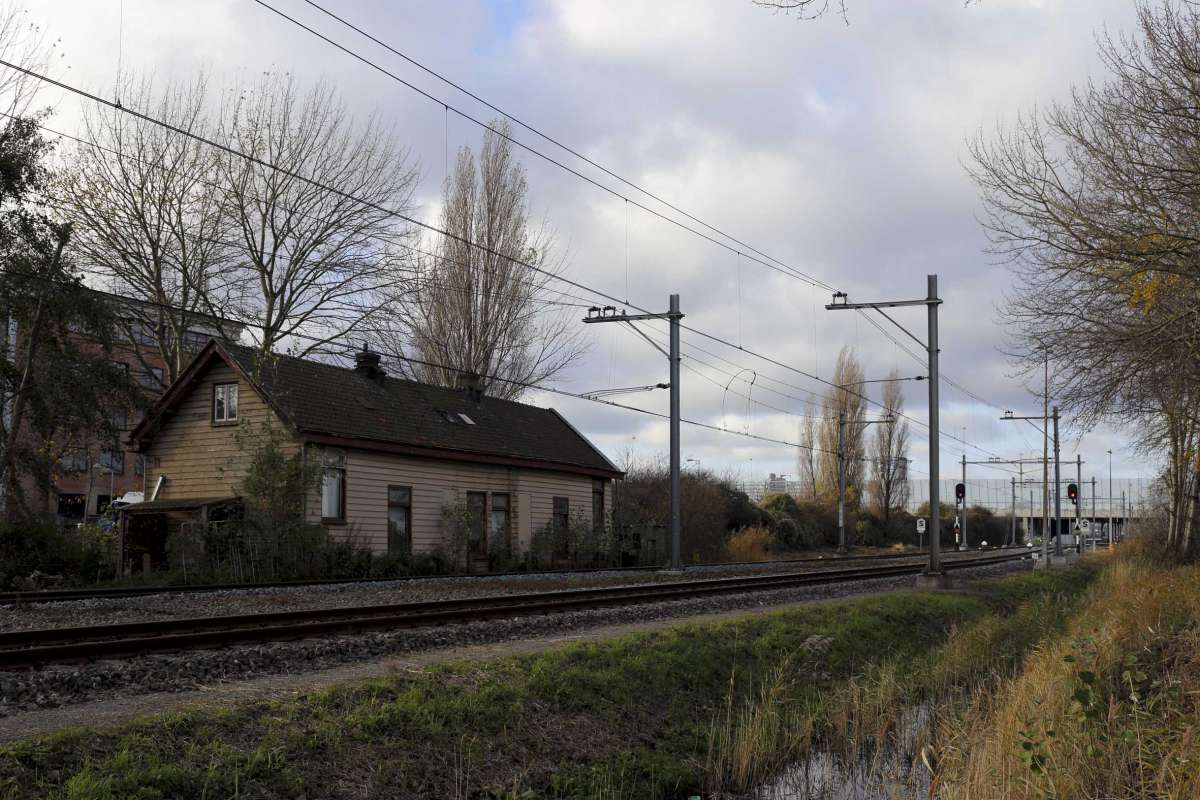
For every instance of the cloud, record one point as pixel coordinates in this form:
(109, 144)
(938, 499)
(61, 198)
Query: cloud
(836, 149)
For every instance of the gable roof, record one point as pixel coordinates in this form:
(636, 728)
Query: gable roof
(335, 405)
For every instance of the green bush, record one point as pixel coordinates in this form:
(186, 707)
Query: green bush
(77, 556)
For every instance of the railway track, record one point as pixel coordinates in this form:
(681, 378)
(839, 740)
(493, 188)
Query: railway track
(23, 649)
(57, 595)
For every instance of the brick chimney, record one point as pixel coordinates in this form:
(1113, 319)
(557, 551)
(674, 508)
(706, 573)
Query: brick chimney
(367, 363)
(471, 385)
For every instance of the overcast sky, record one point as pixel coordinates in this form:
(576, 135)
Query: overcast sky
(838, 149)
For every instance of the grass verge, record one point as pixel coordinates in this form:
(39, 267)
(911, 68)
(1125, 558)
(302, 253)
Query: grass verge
(632, 717)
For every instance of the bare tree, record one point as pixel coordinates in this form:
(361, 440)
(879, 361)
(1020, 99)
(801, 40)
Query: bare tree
(843, 400)
(806, 9)
(1094, 204)
(806, 455)
(889, 454)
(149, 216)
(23, 42)
(475, 305)
(318, 232)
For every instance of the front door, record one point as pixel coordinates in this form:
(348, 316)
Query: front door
(477, 537)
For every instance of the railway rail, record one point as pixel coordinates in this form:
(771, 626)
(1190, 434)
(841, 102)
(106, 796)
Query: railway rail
(32, 648)
(57, 595)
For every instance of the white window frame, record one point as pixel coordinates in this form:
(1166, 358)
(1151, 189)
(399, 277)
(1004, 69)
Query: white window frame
(222, 393)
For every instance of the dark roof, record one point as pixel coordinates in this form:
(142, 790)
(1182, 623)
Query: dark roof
(326, 401)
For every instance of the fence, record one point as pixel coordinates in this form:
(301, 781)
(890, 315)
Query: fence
(995, 494)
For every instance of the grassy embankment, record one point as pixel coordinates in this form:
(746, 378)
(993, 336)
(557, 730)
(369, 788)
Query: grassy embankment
(653, 715)
(1091, 699)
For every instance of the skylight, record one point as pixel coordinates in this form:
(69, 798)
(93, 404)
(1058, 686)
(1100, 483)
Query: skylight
(465, 418)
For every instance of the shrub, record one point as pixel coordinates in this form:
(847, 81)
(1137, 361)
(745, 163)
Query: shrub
(749, 544)
(778, 503)
(25, 549)
(785, 532)
(82, 555)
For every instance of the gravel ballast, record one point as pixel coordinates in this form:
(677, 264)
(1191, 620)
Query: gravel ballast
(177, 672)
(168, 605)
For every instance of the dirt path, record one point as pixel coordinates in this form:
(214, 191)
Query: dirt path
(113, 712)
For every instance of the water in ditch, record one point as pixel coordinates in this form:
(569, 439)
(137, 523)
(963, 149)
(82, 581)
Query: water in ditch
(896, 771)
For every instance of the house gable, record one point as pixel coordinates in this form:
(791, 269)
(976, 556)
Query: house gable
(193, 454)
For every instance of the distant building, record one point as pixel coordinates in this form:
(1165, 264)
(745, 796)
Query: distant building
(90, 472)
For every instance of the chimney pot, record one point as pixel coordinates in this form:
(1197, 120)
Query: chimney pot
(367, 363)
(471, 385)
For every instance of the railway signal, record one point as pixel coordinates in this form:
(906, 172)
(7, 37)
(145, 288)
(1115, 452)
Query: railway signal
(1073, 493)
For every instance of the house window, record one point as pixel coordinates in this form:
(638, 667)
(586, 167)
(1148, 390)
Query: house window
(477, 518)
(72, 506)
(112, 461)
(400, 519)
(225, 402)
(561, 521)
(139, 464)
(194, 340)
(152, 378)
(119, 419)
(333, 486)
(499, 520)
(73, 461)
(598, 504)
(102, 503)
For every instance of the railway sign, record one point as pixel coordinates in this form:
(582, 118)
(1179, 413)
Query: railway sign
(920, 525)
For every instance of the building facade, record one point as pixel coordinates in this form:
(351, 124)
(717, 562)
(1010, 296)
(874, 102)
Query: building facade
(393, 454)
(92, 471)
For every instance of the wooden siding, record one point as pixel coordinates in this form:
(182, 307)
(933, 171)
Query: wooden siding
(198, 458)
(435, 482)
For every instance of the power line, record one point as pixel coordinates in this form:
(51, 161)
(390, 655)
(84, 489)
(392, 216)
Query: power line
(811, 280)
(546, 137)
(433, 228)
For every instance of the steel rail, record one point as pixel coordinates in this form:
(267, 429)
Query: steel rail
(59, 595)
(19, 649)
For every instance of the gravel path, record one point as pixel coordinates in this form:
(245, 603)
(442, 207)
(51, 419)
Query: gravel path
(179, 672)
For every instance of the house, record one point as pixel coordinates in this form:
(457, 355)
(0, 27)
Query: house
(92, 472)
(393, 453)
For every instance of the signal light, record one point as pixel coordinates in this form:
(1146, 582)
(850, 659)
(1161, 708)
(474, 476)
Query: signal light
(960, 492)
(1073, 493)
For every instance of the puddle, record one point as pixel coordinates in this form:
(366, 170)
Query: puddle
(892, 772)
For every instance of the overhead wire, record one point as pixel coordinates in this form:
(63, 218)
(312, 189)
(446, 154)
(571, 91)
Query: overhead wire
(794, 272)
(427, 226)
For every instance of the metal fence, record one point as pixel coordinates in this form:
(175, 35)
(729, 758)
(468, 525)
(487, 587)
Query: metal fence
(996, 494)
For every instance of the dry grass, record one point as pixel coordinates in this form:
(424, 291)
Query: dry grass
(749, 544)
(1111, 709)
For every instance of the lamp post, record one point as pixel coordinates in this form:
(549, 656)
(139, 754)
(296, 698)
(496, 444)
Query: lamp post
(1110, 502)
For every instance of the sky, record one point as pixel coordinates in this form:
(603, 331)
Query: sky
(838, 147)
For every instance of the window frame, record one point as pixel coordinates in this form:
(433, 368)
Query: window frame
(482, 522)
(223, 389)
(598, 504)
(118, 455)
(562, 543)
(506, 510)
(341, 509)
(408, 512)
(334, 460)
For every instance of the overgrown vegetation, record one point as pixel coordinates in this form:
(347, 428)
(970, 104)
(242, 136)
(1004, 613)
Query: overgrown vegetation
(34, 556)
(627, 718)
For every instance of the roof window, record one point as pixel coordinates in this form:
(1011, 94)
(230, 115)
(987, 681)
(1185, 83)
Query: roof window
(466, 419)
